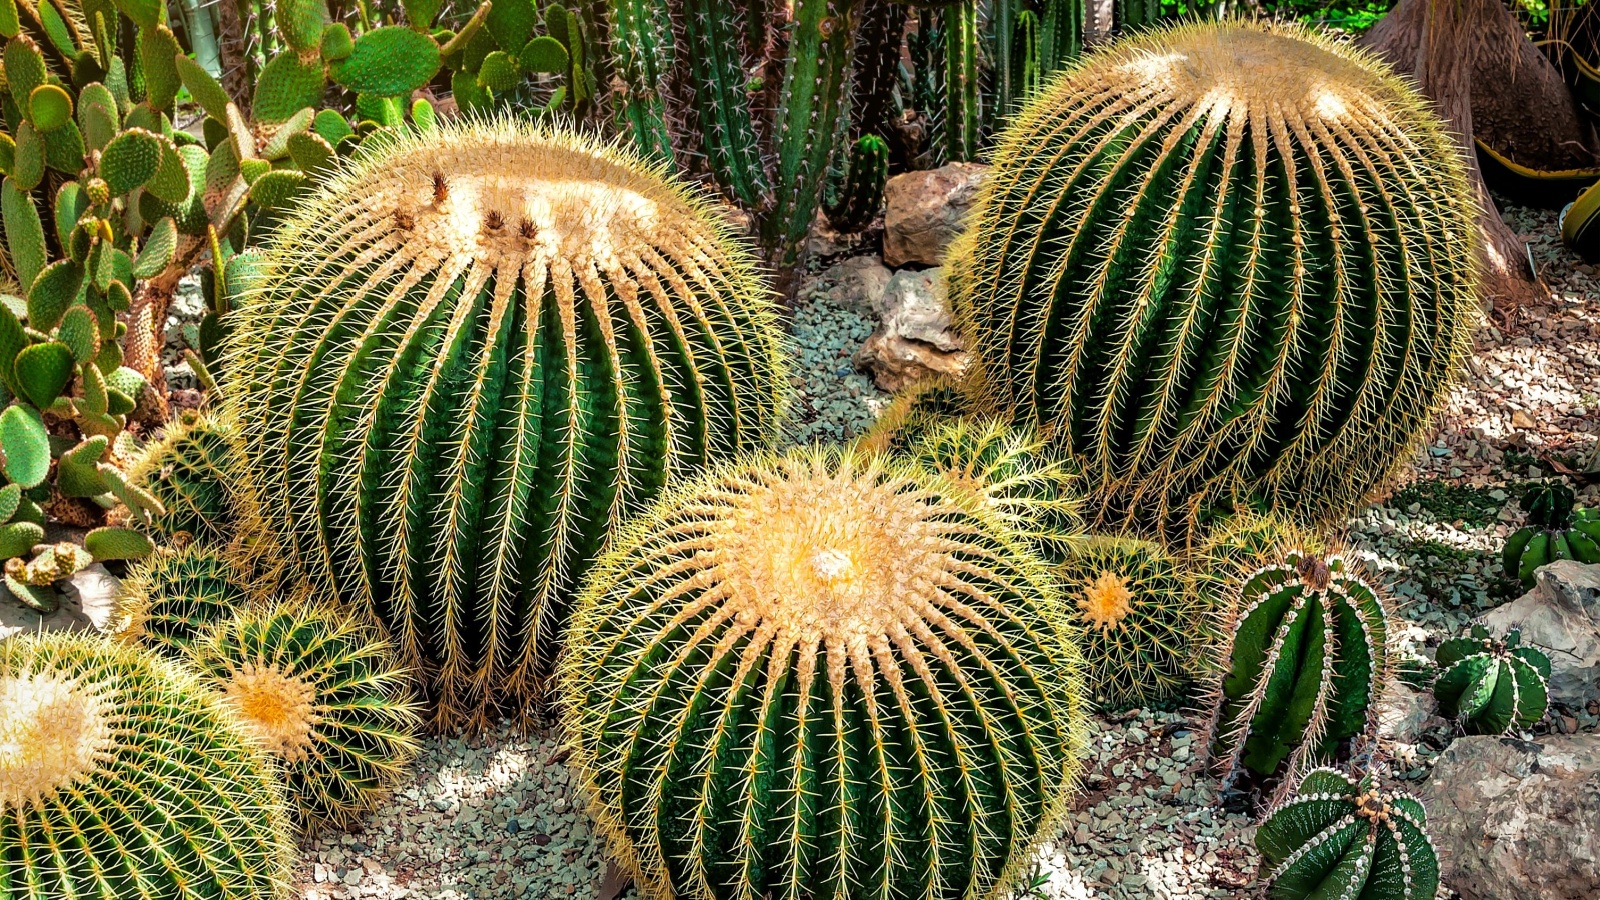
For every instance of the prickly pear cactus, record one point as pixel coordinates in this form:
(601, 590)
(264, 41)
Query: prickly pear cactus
(324, 695)
(123, 775)
(1305, 657)
(1340, 837)
(199, 472)
(476, 351)
(1491, 685)
(1223, 263)
(174, 595)
(781, 647)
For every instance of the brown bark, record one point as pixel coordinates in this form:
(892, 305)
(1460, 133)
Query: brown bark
(1467, 54)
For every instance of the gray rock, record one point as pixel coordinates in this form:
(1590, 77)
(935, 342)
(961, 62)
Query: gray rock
(88, 601)
(914, 339)
(858, 283)
(1403, 713)
(1561, 615)
(1515, 820)
(923, 212)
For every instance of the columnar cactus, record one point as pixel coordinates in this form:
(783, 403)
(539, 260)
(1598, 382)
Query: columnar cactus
(1307, 656)
(1223, 262)
(122, 776)
(473, 352)
(1339, 837)
(1490, 685)
(173, 596)
(1142, 626)
(860, 194)
(199, 472)
(324, 696)
(824, 674)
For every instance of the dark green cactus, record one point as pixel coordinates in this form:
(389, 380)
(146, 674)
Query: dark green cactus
(1491, 685)
(1258, 301)
(174, 596)
(1339, 837)
(1557, 529)
(1306, 656)
(856, 201)
(457, 465)
(198, 471)
(643, 55)
(780, 652)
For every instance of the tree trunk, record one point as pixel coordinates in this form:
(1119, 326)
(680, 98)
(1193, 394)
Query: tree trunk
(1471, 57)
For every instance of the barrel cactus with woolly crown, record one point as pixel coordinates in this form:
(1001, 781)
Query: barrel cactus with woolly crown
(823, 674)
(1223, 264)
(472, 353)
(122, 776)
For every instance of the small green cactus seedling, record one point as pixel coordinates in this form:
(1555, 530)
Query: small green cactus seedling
(1141, 625)
(1490, 685)
(122, 775)
(199, 473)
(1338, 837)
(1557, 529)
(823, 674)
(323, 694)
(1306, 657)
(173, 596)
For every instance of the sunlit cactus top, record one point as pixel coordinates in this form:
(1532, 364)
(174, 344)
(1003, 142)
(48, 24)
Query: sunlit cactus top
(1220, 261)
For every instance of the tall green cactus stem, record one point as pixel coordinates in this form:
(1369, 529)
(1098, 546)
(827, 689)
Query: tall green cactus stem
(1219, 262)
(474, 352)
(1306, 660)
(823, 674)
(175, 595)
(643, 55)
(879, 42)
(1060, 33)
(962, 105)
(199, 472)
(323, 694)
(1340, 837)
(1134, 16)
(1142, 625)
(859, 198)
(721, 95)
(124, 776)
(1490, 685)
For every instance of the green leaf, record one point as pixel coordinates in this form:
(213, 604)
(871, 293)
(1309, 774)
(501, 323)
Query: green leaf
(24, 233)
(278, 146)
(41, 598)
(117, 543)
(26, 445)
(159, 248)
(8, 152)
(9, 24)
(331, 127)
(130, 160)
(56, 288)
(158, 54)
(80, 332)
(97, 117)
(12, 340)
(78, 471)
(10, 498)
(423, 115)
(286, 86)
(28, 161)
(63, 148)
(511, 23)
(545, 54)
(18, 538)
(391, 61)
(309, 151)
(202, 87)
(71, 204)
(336, 42)
(144, 13)
(499, 72)
(49, 107)
(421, 13)
(24, 67)
(172, 181)
(125, 381)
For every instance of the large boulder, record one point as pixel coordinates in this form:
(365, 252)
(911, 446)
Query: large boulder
(1561, 616)
(923, 212)
(914, 339)
(1516, 820)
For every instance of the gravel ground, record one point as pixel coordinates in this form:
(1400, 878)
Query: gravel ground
(499, 816)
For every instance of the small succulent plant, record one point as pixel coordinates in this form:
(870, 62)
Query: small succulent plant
(199, 473)
(1557, 529)
(1339, 837)
(175, 595)
(782, 651)
(859, 196)
(122, 775)
(1491, 685)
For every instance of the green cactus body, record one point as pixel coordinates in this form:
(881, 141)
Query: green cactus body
(1307, 658)
(879, 42)
(643, 54)
(1142, 625)
(199, 473)
(1342, 838)
(1221, 262)
(823, 674)
(124, 776)
(324, 695)
(962, 110)
(858, 200)
(471, 355)
(1557, 529)
(175, 595)
(713, 32)
(1489, 685)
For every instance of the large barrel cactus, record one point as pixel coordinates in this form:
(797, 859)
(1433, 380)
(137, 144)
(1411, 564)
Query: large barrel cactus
(1223, 263)
(121, 776)
(825, 674)
(472, 353)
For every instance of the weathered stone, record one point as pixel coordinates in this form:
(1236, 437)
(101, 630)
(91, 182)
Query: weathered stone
(1515, 820)
(1561, 616)
(914, 339)
(858, 282)
(923, 212)
(1403, 713)
(88, 600)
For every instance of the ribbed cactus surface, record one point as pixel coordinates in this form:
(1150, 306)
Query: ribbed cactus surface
(122, 776)
(1220, 261)
(1306, 657)
(199, 472)
(473, 353)
(324, 694)
(173, 596)
(825, 674)
(1342, 838)
(1492, 685)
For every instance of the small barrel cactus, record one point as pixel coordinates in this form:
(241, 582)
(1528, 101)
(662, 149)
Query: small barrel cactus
(473, 352)
(1490, 685)
(1223, 264)
(823, 674)
(1141, 625)
(1306, 656)
(1342, 838)
(174, 595)
(1557, 529)
(199, 472)
(324, 695)
(122, 776)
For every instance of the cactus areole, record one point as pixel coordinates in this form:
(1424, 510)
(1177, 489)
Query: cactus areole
(473, 352)
(1223, 263)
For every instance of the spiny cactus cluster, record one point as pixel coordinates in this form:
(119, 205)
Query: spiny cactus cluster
(1223, 263)
(474, 352)
(1342, 837)
(199, 473)
(1557, 529)
(122, 776)
(1491, 685)
(857, 200)
(174, 595)
(822, 674)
